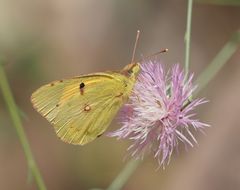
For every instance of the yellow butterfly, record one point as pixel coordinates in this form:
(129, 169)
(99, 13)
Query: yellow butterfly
(82, 108)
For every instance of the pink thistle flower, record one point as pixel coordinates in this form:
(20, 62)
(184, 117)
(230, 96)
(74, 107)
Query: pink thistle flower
(159, 112)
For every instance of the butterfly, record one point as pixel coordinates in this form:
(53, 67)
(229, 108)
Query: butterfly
(81, 108)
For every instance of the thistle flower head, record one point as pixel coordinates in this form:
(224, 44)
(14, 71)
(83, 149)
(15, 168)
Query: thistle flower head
(159, 113)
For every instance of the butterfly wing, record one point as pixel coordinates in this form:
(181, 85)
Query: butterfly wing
(81, 108)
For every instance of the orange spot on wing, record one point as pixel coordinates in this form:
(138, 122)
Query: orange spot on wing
(87, 108)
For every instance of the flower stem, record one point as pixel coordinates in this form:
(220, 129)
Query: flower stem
(187, 37)
(124, 175)
(14, 113)
(218, 62)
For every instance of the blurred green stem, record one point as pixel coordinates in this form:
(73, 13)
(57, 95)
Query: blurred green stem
(124, 175)
(218, 62)
(205, 77)
(187, 37)
(14, 113)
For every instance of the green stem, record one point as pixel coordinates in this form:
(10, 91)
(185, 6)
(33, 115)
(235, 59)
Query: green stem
(14, 113)
(188, 36)
(124, 175)
(218, 62)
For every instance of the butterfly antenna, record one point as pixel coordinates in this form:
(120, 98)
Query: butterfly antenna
(135, 46)
(159, 52)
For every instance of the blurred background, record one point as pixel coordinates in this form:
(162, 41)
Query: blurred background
(51, 39)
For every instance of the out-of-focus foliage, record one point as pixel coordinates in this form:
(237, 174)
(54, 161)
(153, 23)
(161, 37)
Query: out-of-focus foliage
(220, 2)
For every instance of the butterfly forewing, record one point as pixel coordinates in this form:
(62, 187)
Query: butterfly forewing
(81, 108)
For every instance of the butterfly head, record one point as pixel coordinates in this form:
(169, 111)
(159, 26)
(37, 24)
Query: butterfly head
(131, 70)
